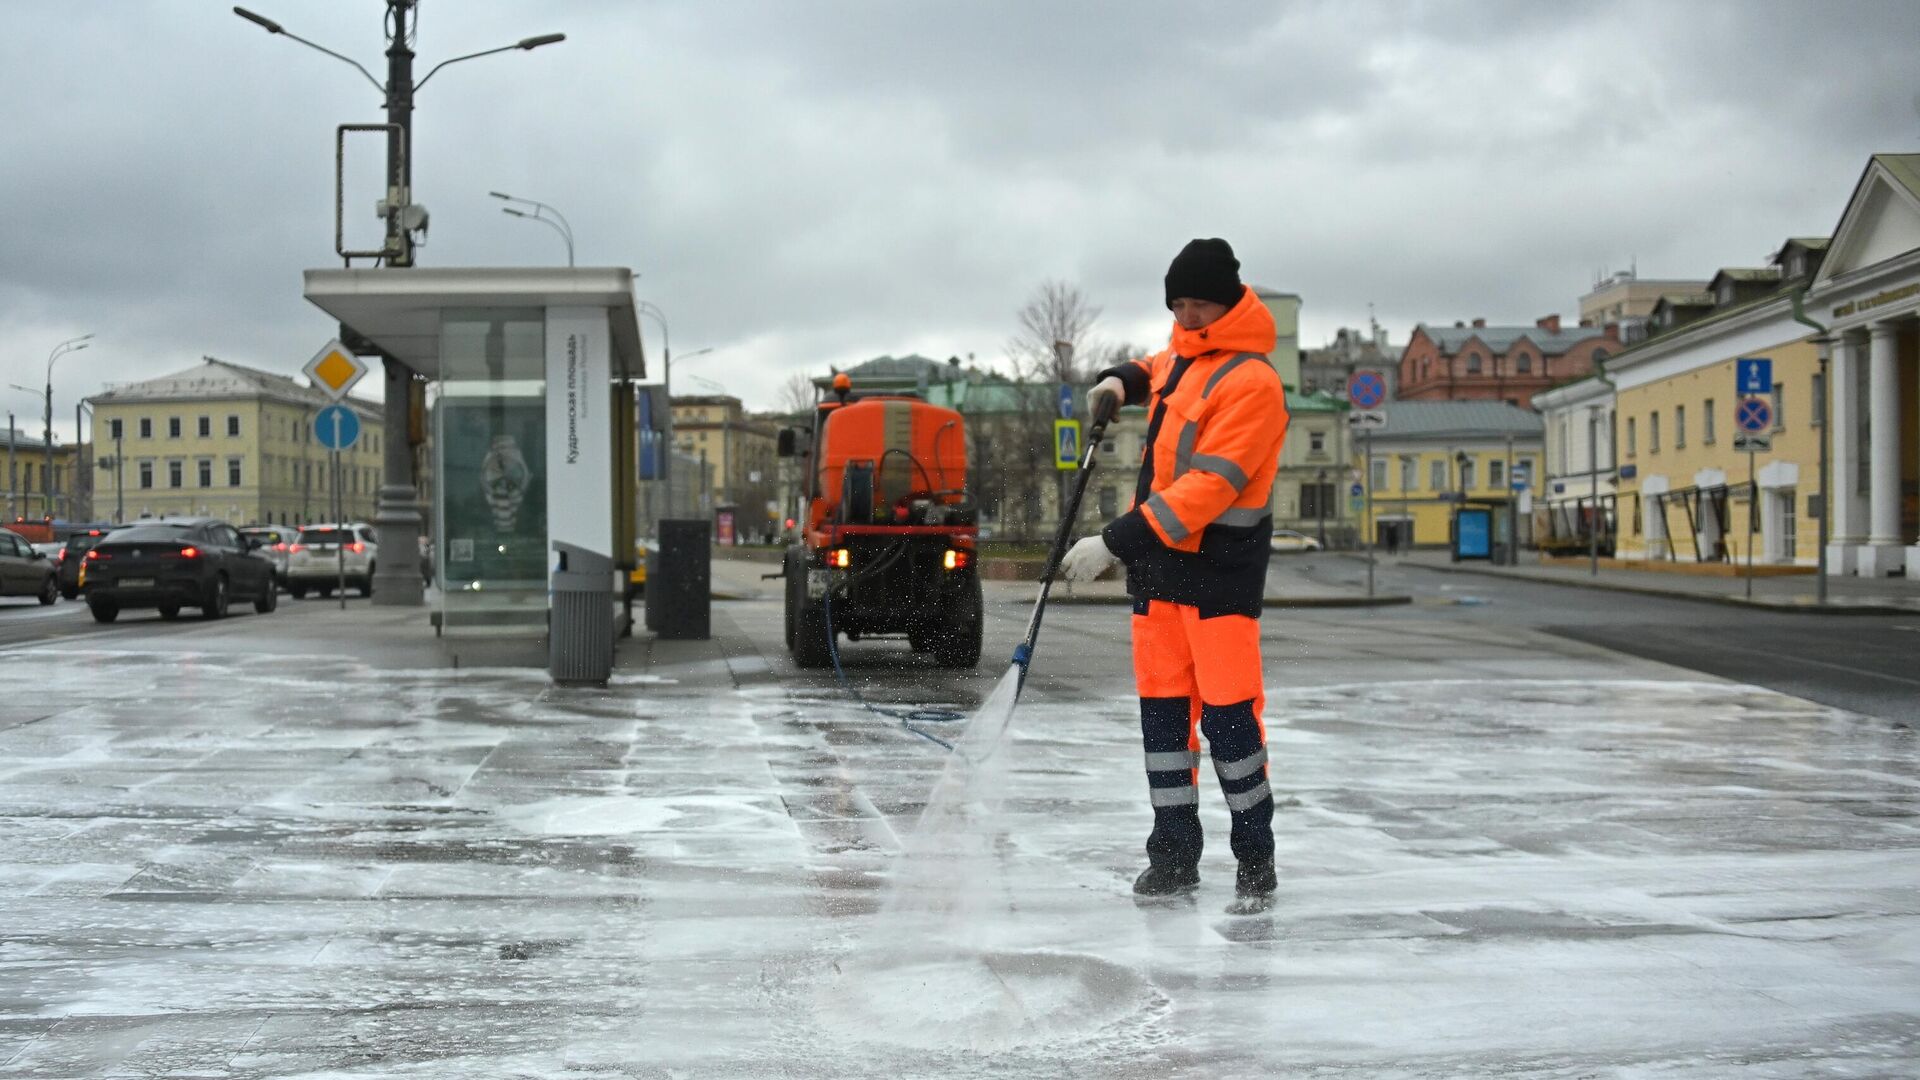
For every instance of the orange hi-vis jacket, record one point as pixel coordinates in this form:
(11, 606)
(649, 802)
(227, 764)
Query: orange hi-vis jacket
(1200, 527)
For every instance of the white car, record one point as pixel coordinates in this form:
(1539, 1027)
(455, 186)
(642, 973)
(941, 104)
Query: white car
(315, 560)
(273, 543)
(1287, 541)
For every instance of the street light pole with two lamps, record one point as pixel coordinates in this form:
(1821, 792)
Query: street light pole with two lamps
(397, 579)
(71, 345)
(558, 222)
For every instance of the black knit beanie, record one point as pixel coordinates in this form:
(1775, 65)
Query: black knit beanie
(1205, 270)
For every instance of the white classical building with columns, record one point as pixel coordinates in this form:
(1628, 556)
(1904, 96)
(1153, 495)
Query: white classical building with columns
(1868, 293)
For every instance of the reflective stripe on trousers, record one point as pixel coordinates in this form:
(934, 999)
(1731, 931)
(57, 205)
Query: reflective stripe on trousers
(1202, 677)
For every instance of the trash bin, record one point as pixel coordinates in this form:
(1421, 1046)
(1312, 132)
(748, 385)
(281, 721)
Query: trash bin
(580, 622)
(680, 581)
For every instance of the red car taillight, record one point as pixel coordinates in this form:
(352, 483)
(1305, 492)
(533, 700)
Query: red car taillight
(281, 546)
(297, 547)
(356, 547)
(189, 552)
(96, 555)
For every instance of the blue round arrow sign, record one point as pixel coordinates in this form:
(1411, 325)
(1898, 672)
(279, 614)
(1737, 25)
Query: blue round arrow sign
(336, 427)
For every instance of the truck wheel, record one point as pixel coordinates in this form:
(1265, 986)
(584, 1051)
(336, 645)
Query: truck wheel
(811, 646)
(796, 584)
(958, 643)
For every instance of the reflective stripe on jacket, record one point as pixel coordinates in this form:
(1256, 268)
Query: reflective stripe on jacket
(1201, 523)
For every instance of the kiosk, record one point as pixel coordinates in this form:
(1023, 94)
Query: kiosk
(532, 427)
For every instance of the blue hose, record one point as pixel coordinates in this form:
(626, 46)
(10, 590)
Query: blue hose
(906, 717)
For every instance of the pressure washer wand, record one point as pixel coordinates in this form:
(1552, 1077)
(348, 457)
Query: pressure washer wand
(1023, 653)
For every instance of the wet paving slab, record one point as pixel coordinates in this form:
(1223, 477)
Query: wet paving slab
(1532, 858)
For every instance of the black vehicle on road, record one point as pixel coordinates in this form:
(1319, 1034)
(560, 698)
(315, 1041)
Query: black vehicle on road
(24, 571)
(173, 563)
(72, 554)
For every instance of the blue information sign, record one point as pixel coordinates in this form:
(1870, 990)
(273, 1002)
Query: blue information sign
(1066, 402)
(1475, 534)
(336, 427)
(1754, 375)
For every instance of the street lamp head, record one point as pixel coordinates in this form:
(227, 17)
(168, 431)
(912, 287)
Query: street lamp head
(543, 39)
(261, 21)
(501, 195)
(515, 213)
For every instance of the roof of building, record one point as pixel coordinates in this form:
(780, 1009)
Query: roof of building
(1747, 273)
(1436, 419)
(1318, 401)
(1452, 339)
(1811, 243)
(1904, 168)
(213, 380)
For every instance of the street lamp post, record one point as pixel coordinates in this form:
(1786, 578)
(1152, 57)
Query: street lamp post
(71, 345)
(1320, 505)
(1593, 484)
(397, 579)
(558, 223)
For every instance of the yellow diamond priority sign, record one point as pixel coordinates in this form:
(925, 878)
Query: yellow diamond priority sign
(335, 370)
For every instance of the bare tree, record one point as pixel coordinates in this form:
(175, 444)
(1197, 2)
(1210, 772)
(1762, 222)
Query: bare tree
(797, 394)
(1053, 330)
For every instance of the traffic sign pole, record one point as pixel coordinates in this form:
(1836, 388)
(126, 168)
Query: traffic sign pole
(1753, 510)
(1371, 527)
(339, 548)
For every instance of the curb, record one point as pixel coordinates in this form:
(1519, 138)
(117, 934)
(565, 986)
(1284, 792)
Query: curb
(1673, 594)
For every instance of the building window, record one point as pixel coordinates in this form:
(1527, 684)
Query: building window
(1316, 501)
(233, 472)
(233, 425)
(1523, 364)
(1496, 474)
(146, 474)
(1653, 433)
(1706, 422)
(1378, 479)
(173, 427)
(1109, 502)
(1408, 478)
(113, 429)
(1779, 406)
(1317, 442)
(1437, 474)
(1467, 474)
(1473, 363)
(1679, 426)
(1566, 440)
(1633, 437)
(206, 427)
(146, 427)
(206, 472)
(176, 474)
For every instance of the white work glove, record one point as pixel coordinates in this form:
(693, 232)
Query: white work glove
(1111, 386)
(1087, 560)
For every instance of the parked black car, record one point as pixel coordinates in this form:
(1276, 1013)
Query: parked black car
(24, 571)
(174, 563)
(72, 553)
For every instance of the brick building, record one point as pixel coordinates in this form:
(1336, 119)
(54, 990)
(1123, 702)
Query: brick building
(1499, 363)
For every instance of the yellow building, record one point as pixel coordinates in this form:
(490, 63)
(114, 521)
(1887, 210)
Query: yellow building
(1433, 456)
(736, 456)
(1687, 493)
(28, 481)
(227, 441)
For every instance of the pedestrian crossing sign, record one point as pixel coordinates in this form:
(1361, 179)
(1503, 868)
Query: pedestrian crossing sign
(1066, 445)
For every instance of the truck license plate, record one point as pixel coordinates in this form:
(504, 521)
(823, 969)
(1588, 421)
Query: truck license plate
(817, 583)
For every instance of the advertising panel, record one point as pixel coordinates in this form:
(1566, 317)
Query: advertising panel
(579, 437)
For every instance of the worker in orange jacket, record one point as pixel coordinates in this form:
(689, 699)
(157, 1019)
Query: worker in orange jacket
(1195, 545)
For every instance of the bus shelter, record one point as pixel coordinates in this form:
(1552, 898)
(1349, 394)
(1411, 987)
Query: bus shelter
(531, 429)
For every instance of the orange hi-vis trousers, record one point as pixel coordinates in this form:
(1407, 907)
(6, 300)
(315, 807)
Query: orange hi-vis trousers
(1201, 676)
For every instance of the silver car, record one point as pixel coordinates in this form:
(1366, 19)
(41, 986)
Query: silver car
(275, 542)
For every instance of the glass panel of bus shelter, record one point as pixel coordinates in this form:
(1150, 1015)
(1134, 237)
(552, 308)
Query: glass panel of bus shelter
(490, 514)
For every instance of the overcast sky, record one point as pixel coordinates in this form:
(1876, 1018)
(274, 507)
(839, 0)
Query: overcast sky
(804, 184)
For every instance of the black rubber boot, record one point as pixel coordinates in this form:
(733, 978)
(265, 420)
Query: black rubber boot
(1166, 879)
(1255, 878)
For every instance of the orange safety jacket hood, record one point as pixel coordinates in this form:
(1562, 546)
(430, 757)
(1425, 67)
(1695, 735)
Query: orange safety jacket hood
(1201, 525)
